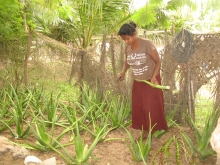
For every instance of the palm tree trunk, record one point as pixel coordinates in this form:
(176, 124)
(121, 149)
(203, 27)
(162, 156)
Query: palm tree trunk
(73, 53)
(82, 54)
(113, 55)
(113, 61)
(122, 54)
(103, 51)
(28, 52)
(217, 94)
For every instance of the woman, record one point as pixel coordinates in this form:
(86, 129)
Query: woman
(147, 101)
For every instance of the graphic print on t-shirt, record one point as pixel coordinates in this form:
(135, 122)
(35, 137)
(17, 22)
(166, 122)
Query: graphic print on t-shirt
(137, 61)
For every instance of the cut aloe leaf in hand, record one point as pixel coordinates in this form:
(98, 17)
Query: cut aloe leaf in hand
(153, 85)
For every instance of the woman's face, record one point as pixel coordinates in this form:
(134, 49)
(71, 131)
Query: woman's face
(129, 39)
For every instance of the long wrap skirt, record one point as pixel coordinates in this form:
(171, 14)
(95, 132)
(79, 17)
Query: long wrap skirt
(148, 107)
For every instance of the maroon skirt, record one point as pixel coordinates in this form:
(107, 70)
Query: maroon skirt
(148, 107)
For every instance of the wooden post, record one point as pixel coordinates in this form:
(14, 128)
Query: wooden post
(190, 94)
(144, 35)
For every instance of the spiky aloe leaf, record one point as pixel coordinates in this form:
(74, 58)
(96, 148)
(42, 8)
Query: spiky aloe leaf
(19, 125)
(88, 151)
(9, 122)
(72, 159)
(42, 132)
(79, 148)
(203, 137)
(36, 147)
(54, 144)
(40, 141)
(11, 130)
(134, 149)
(83, 152)
(197, 131)
(26, 132)
(153, 85)
(139, 150)
(143, 156)
(189, 142)
(206, 154)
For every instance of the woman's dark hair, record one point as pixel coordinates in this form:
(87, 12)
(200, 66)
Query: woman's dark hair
(127, 29)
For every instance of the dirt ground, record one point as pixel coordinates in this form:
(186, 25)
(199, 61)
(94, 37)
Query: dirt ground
(113, 151)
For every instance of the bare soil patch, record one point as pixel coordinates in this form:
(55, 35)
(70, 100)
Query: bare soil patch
(113, 151)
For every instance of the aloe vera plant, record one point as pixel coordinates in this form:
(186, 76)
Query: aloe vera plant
(97, 126)
(83, 151)
(19, 110)
(4, 115)
(201, 147)
(93, 101)
(140, 150)
(38, 99)
(44, 141)
(119, 112)
(51, 109)
(68, 112)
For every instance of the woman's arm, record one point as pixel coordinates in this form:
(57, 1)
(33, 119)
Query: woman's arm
(124, 69)
(154, 55)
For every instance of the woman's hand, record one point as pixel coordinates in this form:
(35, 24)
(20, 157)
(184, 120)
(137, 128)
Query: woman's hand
(121, 76)
(154, 81)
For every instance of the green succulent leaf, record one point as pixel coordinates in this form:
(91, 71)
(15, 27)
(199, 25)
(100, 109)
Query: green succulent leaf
(153, 85)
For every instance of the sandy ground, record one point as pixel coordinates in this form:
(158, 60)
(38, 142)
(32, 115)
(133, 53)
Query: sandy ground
(113, 151)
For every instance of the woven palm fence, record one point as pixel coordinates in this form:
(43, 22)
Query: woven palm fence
(190, 61)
